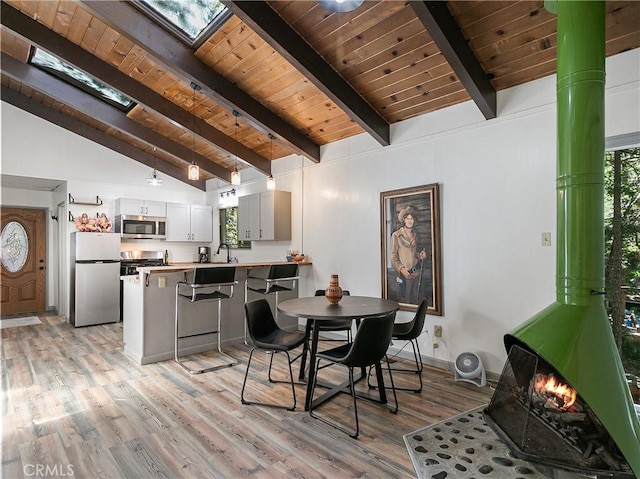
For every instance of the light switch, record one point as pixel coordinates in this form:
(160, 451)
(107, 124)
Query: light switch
(546, 239)
(162, 281)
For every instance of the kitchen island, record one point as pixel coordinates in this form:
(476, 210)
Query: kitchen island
(149, 302)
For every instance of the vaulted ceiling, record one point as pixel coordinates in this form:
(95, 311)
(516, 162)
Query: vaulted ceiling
(278, 77)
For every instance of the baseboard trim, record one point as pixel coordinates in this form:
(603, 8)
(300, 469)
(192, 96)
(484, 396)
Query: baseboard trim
(428, 360)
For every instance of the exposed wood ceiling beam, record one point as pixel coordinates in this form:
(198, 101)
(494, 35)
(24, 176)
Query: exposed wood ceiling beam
(101, 111)
(48, 40)
(80, 128)
(444, 30)
(177, 57)
(287, 42)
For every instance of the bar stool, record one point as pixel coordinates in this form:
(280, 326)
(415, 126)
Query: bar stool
(206, 286)
(278, 273)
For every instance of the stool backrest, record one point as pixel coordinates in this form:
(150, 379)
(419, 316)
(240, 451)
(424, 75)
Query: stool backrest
(281, 271)
(215, 275)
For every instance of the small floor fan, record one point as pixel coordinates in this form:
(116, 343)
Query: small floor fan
(469, 368)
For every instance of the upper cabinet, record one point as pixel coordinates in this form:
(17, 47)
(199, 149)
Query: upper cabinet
(129, 206)
(265, 216)
(189, 222)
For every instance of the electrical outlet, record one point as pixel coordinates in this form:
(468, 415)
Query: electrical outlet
(545, 239)
(162, 281)
(437, 331)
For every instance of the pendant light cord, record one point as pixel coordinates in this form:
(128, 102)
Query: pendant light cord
(193, 115)
(302, 203)
(194, 169)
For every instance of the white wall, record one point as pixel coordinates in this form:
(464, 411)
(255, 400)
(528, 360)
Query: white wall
(32, 147)
(497, 182)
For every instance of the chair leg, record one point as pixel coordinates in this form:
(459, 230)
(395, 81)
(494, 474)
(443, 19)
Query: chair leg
(176, 352)
(244, 383)
(246, 299)
(355, 405)
(276, 308)
(305, 351)
(393, 387)
(419, 368)
(272, 354)
(293, 388)
(314, 380)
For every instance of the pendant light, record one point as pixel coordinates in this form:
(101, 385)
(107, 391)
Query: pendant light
(235, 174)
(153, 180)
(271, 181)
(340, 6)
(194, 169)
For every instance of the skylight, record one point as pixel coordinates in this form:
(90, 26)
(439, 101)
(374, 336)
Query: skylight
(190, 17)
(80, 79)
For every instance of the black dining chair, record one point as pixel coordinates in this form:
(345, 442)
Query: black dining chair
(333, 324)
(280, 277)
(266, 335)
(368, 348)
(326, 325)
(409, 332)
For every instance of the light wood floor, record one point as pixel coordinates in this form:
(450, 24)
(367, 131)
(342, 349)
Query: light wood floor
(74, 406)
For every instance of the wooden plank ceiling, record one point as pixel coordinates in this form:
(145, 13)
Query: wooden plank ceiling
(290, 70)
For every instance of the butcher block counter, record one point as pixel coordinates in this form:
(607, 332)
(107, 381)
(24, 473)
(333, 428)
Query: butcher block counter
(149, 303)
(182, 267)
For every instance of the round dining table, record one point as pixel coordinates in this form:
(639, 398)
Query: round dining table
(316, 309)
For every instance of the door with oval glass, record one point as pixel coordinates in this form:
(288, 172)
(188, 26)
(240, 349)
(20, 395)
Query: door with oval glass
(23, 243)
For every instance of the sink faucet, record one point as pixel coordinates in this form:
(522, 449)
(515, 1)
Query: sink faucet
(228, 251)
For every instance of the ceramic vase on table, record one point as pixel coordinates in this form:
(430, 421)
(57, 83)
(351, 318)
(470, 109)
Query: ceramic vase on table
(333, 293)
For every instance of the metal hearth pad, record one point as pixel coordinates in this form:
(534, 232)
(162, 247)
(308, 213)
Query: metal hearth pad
(465, 447)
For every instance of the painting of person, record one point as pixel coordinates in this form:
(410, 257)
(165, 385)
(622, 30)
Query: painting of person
(407, 261)
(410, 240)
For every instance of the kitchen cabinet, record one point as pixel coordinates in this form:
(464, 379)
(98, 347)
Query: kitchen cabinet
(149, 313)
(265, 216)
(249, 218)
(130, 206)
(187, 222)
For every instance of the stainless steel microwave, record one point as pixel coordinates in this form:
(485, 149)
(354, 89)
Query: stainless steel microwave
(141, 227)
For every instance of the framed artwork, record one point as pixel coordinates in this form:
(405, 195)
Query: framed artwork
(410, 239)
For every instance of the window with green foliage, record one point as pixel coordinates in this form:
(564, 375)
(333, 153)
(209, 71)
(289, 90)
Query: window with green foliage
(80, 79)
(229, 228)
(189, 17)
(622, 236)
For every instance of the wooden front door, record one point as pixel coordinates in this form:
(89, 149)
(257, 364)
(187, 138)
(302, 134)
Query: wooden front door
(23, 242)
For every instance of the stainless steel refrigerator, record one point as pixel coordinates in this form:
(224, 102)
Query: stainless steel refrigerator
(95, 278)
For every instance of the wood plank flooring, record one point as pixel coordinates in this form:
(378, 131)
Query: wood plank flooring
(74, 406)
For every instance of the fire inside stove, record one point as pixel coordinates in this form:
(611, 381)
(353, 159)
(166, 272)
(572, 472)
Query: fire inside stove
(542, 419)
(554, 393)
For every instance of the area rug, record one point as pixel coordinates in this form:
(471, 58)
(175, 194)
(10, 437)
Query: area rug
(15, 322)
(464, 447)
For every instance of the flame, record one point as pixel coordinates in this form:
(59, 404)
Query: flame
(549, 384)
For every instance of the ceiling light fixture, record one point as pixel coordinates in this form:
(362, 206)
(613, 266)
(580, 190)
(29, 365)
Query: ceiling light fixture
(153, 180)
(235, 174)
(231, 192)
(271, 181)
(194, 169)
(340, 6)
